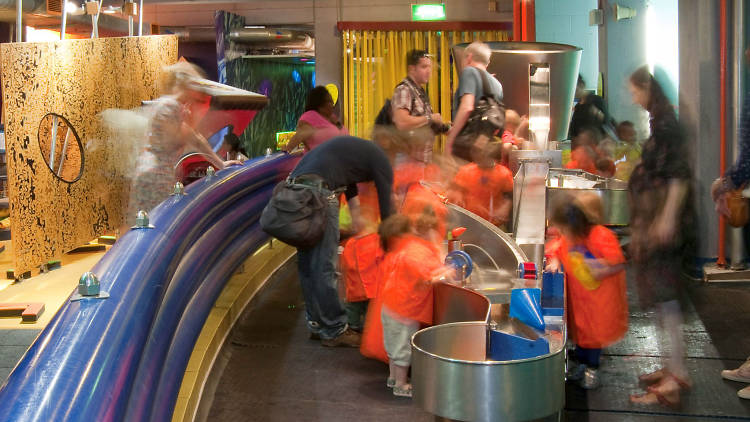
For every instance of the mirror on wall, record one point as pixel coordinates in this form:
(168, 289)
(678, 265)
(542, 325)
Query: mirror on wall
(61, 147)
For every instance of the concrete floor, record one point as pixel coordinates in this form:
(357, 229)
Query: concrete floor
(270, 371)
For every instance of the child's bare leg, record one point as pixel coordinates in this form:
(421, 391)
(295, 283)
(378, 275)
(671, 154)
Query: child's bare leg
(392, 373)
(401, 375)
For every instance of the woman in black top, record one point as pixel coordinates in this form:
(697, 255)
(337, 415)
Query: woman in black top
(661, 216)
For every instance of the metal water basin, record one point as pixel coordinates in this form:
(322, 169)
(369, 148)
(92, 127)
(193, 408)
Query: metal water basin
(453, 379)
(613, 192)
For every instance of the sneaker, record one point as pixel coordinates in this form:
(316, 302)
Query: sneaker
(741, 374)
(575, 371)
(590, 379)
(348, 338)
(744, 393)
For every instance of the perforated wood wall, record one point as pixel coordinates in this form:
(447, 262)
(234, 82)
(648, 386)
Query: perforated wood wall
(76, 79)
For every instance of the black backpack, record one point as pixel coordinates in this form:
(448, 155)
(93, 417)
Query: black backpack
(487, 118)
(385, 115)
(296, 215)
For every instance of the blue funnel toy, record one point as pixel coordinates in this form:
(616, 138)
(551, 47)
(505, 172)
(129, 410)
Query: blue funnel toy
(526, 306)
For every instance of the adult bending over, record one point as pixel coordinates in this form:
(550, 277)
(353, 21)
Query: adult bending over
(335, 167)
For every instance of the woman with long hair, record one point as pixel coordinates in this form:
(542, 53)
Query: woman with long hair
(660, 212)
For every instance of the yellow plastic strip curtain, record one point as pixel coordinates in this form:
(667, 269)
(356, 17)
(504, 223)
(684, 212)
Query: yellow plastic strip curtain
(374, 62)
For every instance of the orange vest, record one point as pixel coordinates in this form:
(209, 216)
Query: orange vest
(407, 271)
(580, 159)
(599, 317)
(482, 189)
(359, 266)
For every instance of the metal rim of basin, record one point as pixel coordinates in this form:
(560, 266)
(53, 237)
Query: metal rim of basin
(473, 362)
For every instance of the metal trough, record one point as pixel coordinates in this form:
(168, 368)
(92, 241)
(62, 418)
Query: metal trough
(453, 379)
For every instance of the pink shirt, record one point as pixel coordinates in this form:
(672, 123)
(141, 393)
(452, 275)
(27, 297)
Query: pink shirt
(325, 130)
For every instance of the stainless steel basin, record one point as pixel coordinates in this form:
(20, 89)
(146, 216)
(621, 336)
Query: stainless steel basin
(453, 379)
(613, 192)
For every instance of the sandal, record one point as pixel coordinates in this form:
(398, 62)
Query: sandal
(655, 376)
(661, 393)
(404, 391)
(660, 375)
(654, 397)
(684, 384)
(390, 382)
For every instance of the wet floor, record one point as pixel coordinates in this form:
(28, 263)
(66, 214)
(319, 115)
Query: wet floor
(270, 371)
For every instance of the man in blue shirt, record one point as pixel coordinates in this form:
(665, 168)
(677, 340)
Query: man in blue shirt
(470, 88)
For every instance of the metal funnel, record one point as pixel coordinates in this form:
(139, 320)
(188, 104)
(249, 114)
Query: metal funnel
(511, 63)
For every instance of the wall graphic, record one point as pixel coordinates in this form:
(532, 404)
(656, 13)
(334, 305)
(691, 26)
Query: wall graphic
(286, 81)
(75, 79)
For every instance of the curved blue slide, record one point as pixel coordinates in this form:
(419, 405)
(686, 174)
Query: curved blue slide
(123, 358)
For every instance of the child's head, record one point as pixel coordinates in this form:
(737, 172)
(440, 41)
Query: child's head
(512, 120)
(626, 131)
(605, 167)
(484, 152)
(587, 137)
(394, 226)
(576, 216)
(426, 222)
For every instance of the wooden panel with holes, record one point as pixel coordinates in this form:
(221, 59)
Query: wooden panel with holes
(59, 89)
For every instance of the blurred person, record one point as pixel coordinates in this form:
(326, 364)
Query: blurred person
(596, 288)
(318, 123)
(583, 151)
(411, 264)
(484, 187)
(470, 91)
(628, 154)
(334, 167)
(514, 134)
(359, 262)
(660, 220)
(515, 126)
(721, 190)
(590, 111)
(234, 150)
(171, 134)
(411, 109)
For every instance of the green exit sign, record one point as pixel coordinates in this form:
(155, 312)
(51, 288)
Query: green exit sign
(428, 12)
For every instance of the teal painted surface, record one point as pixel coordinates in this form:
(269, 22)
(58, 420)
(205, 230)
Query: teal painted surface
(567, 22)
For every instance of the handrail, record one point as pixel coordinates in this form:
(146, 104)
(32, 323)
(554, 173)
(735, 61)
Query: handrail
(84, 364)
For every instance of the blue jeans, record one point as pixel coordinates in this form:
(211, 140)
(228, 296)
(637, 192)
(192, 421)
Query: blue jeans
(588, 357)
(317, 275)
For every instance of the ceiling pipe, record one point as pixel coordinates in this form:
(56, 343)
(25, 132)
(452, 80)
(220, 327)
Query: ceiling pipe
(257, 37)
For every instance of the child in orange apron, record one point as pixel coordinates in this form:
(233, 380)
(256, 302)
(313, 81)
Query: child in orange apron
(484, 187)
(593, 262)
(412, 261)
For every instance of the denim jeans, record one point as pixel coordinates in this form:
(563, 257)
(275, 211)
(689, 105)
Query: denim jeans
(317, 275)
